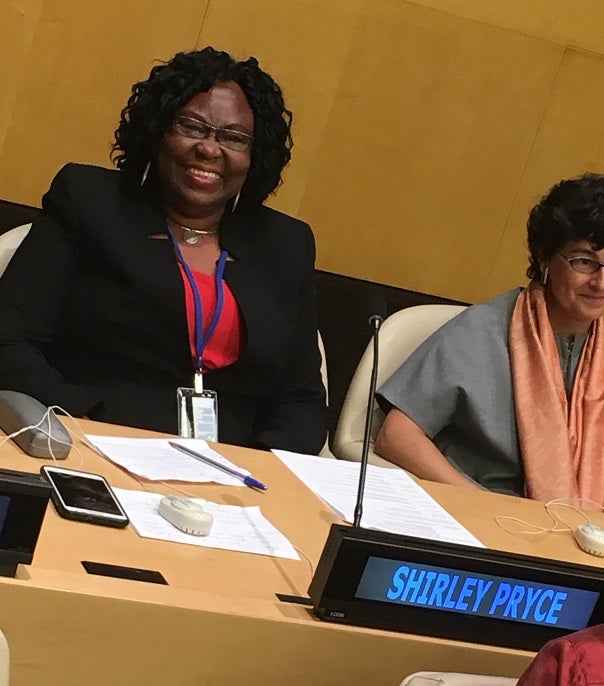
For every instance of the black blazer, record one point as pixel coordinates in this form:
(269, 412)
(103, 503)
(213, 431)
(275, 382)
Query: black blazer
(92, 316)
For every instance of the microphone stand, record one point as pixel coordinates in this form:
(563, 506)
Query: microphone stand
(375, 322)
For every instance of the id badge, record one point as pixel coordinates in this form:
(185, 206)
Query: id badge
(197, 414)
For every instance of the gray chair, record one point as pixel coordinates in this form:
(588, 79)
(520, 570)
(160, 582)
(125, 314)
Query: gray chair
(400, 335)
(9, 242)
(325, 451)
(4, 661)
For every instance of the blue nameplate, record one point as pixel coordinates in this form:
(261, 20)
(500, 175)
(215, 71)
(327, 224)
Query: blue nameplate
(415, 585)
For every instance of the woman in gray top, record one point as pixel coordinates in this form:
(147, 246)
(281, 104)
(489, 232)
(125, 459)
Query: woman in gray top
(493, 399)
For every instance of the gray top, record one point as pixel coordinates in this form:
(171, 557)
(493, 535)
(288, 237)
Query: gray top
(570, 347)
(457, 387)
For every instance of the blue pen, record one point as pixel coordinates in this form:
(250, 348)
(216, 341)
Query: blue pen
(247, 480)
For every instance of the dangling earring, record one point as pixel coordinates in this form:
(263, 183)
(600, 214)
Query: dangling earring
(544, 275)
(236, 201)
(145, 173)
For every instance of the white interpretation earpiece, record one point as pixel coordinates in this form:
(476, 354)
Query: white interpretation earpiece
(590, 538)
(185, 514)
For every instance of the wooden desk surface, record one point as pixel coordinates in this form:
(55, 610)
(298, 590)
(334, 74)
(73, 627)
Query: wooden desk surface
(298, 514)
(219, 621)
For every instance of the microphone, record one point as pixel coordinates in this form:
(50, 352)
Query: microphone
(38, 431)
(378, 311)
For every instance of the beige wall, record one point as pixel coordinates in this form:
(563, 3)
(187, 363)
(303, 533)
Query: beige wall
(424, 130)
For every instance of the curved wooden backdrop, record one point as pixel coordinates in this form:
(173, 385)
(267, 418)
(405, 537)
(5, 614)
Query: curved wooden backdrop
(424, 129)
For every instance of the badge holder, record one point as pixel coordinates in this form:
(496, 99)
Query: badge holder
(197, 412)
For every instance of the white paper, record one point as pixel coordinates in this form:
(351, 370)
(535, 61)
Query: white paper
(244, 529)
(156, 460)
(393, 501)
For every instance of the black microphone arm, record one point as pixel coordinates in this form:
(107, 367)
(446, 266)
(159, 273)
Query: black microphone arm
(378, 307)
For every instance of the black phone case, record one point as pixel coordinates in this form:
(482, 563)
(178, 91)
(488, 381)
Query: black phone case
(91, 518)
(88, 517)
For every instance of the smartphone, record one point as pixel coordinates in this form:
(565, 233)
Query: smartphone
(83, 496)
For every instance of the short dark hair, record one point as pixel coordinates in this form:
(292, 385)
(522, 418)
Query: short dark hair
(153, 103)
(573, 210)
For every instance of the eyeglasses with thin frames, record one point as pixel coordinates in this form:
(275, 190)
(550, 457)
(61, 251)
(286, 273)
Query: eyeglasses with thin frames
(583, 265)
(199, 130)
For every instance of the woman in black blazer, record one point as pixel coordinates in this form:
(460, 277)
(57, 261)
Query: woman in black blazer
(93, 314)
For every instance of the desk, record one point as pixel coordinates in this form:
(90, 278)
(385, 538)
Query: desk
(218, 621)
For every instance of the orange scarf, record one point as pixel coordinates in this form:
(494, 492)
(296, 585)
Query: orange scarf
(562, 446)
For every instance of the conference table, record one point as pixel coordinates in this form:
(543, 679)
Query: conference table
(218, 620)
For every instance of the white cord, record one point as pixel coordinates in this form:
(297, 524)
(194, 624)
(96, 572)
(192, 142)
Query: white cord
(560, 525)
(46, 430)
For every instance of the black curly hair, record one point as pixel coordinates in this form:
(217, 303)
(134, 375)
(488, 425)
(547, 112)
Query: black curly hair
(153, 103)
(573, 210)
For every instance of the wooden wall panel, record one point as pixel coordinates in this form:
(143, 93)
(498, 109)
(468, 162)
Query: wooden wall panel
(570, 142)
(81, 60)
(18, 21)
(304, 45)
(579, 23)
(425, 143)
(423, 128)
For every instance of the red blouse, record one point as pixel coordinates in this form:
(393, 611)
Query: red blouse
(224, 347)
(576, 659)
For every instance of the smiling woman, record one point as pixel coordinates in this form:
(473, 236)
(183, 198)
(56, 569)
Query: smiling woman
(509, 395)
(202, 165)
(167, 295)
(575, 296)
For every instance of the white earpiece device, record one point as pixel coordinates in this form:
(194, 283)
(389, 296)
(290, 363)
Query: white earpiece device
(590, 538)
(185, 514)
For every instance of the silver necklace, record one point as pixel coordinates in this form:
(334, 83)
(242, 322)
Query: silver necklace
(191, 236)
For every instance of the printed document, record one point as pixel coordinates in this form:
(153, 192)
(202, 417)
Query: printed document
(393, 500)
(156, 460)
(244, 529)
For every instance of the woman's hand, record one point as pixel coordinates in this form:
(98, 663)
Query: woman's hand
(401, 441)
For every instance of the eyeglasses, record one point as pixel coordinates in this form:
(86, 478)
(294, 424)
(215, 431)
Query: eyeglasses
(583, 265)
(199, 130)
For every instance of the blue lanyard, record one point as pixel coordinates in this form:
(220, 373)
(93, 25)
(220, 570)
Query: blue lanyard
(200, 340)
